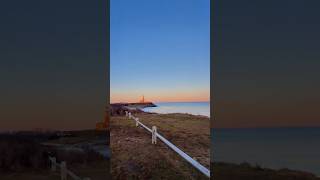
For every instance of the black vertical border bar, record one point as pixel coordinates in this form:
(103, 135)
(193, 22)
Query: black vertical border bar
(107, 115)
(212, 72)
(108, 57)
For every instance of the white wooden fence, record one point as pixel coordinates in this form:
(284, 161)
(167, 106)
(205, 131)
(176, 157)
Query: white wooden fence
(64, 172)
(155, 134)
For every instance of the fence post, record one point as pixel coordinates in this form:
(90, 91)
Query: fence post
(137, 120)
(129, 115)
(63, 170)
(126, 113)
(154, 135)
(53, 164)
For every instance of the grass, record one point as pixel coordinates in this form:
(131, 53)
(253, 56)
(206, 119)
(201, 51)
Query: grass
(134, 157)
(190, 133)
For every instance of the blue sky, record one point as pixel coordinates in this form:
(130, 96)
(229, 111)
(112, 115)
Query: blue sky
(160, 48)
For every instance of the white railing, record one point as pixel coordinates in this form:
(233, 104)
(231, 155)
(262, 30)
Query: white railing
(155, 134)
(64, 172)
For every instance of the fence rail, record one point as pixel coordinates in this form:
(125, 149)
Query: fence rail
(64, 172)
(185, 156)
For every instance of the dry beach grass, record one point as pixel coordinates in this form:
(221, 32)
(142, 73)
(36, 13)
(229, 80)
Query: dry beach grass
(134, 157)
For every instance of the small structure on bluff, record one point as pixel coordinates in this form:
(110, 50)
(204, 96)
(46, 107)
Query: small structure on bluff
(142, 99)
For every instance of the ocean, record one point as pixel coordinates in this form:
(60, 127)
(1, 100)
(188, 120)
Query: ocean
(195, 108)
(276, 148)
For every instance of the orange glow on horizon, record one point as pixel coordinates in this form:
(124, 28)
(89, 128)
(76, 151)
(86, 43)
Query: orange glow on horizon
(162, 97)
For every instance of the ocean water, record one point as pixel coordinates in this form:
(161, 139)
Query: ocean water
(276, 148)
(195, 108)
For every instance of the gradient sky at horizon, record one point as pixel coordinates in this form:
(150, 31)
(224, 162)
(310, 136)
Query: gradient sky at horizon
(160, 49)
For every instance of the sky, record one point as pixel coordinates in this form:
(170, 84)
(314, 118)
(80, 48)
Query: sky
(160, 49)
(52, 64)
(266, 58)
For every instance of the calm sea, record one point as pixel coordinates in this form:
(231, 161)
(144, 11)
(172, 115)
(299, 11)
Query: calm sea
(195, 108)
(293, 148)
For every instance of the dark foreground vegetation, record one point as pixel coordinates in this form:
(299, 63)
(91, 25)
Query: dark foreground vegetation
(245, 171)
(23, 153)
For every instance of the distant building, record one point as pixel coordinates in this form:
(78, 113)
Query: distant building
(142, 99)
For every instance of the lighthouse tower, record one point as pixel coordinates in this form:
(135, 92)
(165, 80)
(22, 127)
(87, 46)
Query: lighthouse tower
(142, 99)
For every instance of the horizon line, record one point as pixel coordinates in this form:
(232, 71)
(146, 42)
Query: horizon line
(163, 101)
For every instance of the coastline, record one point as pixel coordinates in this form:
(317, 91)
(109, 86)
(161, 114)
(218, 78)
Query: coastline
(162, 108)
(194, 108)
